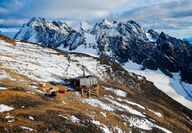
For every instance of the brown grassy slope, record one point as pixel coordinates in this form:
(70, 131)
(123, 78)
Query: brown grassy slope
(173, 118)
(46, 111)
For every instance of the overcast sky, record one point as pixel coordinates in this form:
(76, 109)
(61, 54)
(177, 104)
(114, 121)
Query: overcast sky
(171, 16)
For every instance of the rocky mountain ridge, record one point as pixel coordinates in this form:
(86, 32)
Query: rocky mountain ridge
(51, 34)
(118, 41)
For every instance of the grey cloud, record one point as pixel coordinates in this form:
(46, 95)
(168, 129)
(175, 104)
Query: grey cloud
(169, 15)
(179, 14)
(78, 9)
(172, 14)
(56, 9)
(12, 22)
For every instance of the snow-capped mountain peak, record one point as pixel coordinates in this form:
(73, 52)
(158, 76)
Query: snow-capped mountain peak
(85, 26)
(36, 21)
(53, 34)
(106, 22)
(63, 27)
(118, 41)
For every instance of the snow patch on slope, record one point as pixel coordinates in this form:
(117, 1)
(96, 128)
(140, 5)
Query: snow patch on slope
(31, 118)
(156, 113)
(97, 103)
(39, 65)
(112, 105)
(116, 92)
(173, 87)
(89, 48)
(3, 88)
(90, 39)
(132, 103)
(101, 126)
(75, 119)
(64, 117)
(140, 123)
(122, 107)
(27, 128)
(4, 108)
(144, 124)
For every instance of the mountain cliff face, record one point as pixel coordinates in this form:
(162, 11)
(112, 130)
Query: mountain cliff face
(129, 102)
(51, 34)
(118, 41)
(152, 35)
(177, 55)
(127, 41)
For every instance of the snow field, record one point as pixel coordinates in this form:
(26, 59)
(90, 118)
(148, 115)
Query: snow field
(138, 121)
(173, 87)
(44, 64)
(114, 104)
(144, 124)
(117, 92)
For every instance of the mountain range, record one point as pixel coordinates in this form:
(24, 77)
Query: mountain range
(132, 98)
(117, 41)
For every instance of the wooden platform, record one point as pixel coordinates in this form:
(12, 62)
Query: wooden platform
(93, 91)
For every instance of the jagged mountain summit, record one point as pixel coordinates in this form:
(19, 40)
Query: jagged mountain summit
(118, 41)
(51, 34)
(129, 103)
